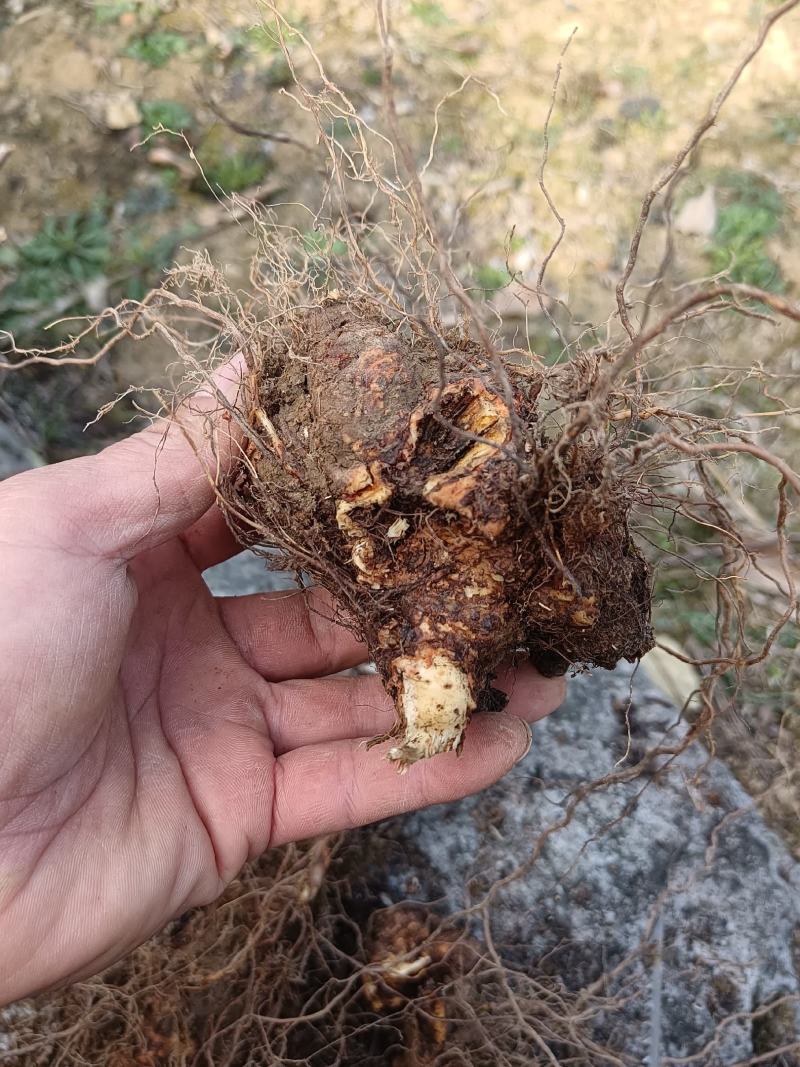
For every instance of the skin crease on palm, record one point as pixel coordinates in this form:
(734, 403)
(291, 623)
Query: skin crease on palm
(154, 738)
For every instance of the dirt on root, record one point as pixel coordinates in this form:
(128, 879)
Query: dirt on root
(423, 491)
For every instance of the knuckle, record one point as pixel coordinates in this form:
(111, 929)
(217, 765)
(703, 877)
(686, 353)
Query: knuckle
(351, 797)
(320, 632)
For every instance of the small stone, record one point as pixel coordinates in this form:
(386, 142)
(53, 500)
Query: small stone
(678, 679)
(165, 157)
(182, 20)
(121, 112)
(219, 40)
(17, 454)
(605, 134)
(95, 293)
(699, 214)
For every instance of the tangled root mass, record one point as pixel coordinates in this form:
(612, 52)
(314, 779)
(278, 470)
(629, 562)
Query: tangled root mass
(421, 488)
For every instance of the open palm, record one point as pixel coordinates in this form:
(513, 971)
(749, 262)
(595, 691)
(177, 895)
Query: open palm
(153, 737)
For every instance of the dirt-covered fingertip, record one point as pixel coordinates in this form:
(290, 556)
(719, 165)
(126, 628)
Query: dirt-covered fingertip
(494, 743)
(531, 696)
(530, 741)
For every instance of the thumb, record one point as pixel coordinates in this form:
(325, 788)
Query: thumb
(138, 493)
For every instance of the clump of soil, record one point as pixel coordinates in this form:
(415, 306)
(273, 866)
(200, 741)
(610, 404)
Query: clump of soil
(420, 487)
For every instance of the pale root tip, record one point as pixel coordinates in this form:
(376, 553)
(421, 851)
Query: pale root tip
(435, 706)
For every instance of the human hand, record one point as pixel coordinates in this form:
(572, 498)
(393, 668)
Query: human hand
(154, 738)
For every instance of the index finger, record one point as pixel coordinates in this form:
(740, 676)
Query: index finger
(293, 633)
(138, 493)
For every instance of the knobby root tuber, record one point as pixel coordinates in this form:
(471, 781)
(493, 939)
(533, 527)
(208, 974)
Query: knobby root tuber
(421, 488)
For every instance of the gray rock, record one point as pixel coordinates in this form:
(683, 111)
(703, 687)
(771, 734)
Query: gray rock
(635, 108)
(16, 452)
(246, 573)
(698, 216)
(673, 870)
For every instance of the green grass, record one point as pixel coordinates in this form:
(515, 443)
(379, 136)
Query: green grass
(451, 143)
(278, 73)
(150, 199)
(262, 39)
(655, 121)
(750, 214)
(267, 40)
(547, 346)
(323, 243)
(786, 128)
(229, 165)
(66, 253)
(231, 173)
(429, 12)
(143, 256)
(113, 10)
(322, 248)
(157, 48)
(695, 60)
(76, 246)
(342, 129)
(490, 278)
(167, 113)
(371, 75)
(74, 249)
(634, 78)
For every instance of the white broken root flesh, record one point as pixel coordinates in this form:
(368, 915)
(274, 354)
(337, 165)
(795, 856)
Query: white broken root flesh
(436, 700)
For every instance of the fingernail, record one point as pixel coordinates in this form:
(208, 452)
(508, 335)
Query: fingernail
(529, 732)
